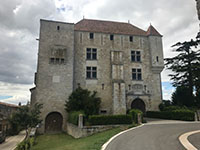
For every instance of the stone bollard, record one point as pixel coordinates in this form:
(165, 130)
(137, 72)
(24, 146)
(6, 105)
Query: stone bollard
(139, 118)
(80, 121)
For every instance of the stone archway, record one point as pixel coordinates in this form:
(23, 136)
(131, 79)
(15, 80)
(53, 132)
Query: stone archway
(138, 104)
(53, 122)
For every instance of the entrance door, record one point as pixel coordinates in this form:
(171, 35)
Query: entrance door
(138, 104)
(53, 122)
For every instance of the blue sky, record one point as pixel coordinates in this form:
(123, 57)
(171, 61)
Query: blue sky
(4, 97)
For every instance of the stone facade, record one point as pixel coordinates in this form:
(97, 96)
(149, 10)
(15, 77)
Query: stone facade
(118, 60)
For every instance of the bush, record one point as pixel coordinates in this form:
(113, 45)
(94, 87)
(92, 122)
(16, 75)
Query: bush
(26, 144)
(83, 99)
(134, 113)
(73, 117)
(164, 104)
(109, 119)
(179, 114)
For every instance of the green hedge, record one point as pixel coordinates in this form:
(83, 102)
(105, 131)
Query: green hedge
(109, 119)
(134, 113)
(73, 117)
(181, 114)
(26, 144)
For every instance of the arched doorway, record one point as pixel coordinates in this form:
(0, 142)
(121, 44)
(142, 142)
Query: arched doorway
(53, 122)
(138, 104)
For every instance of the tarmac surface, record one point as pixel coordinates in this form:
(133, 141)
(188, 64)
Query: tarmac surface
(195, 140)
(156, 135)
(12, 141)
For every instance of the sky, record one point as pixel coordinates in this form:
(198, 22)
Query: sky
(176, 20)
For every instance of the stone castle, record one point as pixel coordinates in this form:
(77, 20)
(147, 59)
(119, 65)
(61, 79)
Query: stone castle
(118, 60)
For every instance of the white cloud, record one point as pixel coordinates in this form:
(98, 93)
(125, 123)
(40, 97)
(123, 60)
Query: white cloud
(19, 92)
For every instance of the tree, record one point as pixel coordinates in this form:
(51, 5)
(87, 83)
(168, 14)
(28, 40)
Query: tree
(186, 67)
(26, 117)
(83, 100)
(181, 97)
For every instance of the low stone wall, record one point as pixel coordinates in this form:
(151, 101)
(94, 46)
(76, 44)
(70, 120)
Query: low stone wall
(77, 132)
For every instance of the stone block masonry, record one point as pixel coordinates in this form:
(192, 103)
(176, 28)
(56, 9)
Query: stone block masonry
(118, 60)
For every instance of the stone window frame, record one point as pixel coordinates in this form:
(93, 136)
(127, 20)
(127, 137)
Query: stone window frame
(91, 72)
(137, 74)
(91, 53)
(136, 56)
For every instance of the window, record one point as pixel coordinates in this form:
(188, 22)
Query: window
(102, 86)
(131, 38)
(57, 61)
(91, 54)
(111, 37)
(58, 28)
(135, 56)
(136, 74)
(103, 111)
(91, 72)
(91, 35)
(62, 61)
(157, 59)
(51, 61)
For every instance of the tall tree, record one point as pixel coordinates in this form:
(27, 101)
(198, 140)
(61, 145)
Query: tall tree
(185, 66)
(27, 117)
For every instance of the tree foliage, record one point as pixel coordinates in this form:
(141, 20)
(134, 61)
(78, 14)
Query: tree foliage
(26, 117)
(186, 69)
(83, 100)
(181, 97)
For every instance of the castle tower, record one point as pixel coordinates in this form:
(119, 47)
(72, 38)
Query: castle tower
(157, 64)
(54, 77)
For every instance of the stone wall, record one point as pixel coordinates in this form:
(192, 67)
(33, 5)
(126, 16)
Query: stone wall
(54, 80)
(66, 48)
(77, 132)
(150, 48)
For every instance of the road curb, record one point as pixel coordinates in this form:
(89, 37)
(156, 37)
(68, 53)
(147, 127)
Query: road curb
(184, 140)
(112, 138)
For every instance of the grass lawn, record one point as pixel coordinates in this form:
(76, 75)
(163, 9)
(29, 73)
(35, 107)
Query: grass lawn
(63, 141)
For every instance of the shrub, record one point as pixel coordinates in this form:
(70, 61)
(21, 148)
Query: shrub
(164, 104)
(172, 108)
(73, 117)
(83, 99)
(134, 113)
(109, 119)
(179, 114)
(26, 144)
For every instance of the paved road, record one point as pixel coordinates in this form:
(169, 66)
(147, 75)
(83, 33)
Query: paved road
(160, 135)
(195, 140)
(12, 141)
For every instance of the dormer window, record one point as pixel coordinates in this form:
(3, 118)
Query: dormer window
(91, 35)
